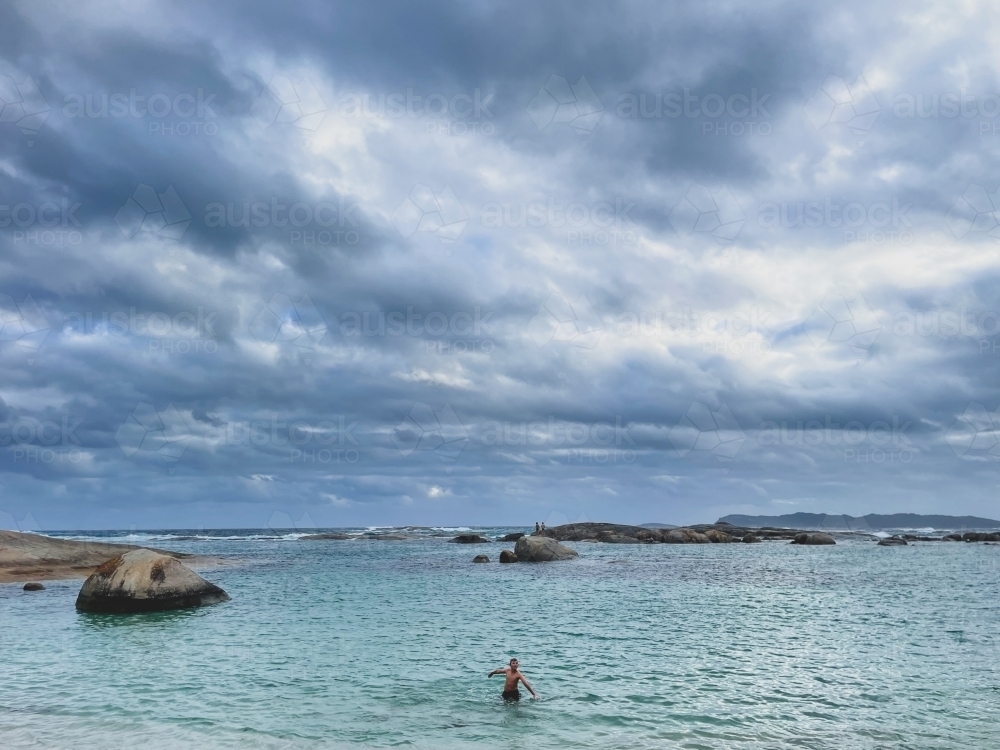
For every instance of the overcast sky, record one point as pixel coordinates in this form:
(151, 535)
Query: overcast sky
(323, 264)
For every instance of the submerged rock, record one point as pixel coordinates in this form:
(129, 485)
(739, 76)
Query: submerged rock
(480, 559)
(33, 586)
(542, 549)
(469, 539)
(145, 581)
(512, 537)
(892, 541)
(336, 536)
(507, 556)
(817, 537)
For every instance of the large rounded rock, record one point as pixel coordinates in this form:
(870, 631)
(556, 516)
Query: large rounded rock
(480, 559)
(512, 537)
(750, 538)
(817, 537)
(541, 549)
(508, 557)
(33, 586)
(469, 539)
(145, 581)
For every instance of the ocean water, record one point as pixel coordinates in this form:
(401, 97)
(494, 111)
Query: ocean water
(334, 644)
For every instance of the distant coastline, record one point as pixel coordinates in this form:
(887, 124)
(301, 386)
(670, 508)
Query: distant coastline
(870, 522)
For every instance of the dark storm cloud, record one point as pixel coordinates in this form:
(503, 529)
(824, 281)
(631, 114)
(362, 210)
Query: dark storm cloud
(352, 263)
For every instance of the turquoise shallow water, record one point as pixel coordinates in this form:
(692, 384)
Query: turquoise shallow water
(386, 644)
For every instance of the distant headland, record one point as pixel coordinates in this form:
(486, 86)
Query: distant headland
(871, 522)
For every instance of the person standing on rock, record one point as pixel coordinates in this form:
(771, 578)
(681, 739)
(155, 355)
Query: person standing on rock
(511, 677)
(536, 527)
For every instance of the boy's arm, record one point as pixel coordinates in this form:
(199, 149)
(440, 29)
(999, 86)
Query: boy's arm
(528, 685)
(501, 670)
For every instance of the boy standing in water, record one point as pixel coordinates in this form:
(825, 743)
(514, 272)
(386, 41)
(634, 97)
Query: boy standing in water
(511, 678)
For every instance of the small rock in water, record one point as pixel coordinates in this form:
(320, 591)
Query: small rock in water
(33, 586)
(892, 541)
(469, 539)
(750, 538)
(142, 580)
(480, 559)
(817, 537)
(508, 557)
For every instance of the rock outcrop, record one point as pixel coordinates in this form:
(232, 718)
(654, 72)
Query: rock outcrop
(542, 549)
(33, 586)
(480, 559)
(981, 536)
(817, 537)
(469, 539)
(507, 556)
(512, 537)
(145, 581)
(326, 535)
(614, 533)
(892, 541)
(35, 557)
